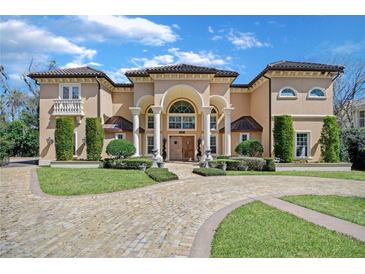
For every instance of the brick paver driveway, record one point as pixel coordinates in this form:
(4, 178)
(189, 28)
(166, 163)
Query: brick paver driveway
(155, 221)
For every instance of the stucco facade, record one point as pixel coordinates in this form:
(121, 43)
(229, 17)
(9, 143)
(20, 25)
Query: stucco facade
(305, 94)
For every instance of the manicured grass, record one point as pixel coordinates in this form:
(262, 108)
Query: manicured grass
(348, 208)
(76, 181)
(257, 230)
(161, 174)
(209, 171)
(350, 175)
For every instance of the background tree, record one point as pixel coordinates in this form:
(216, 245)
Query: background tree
(14, 100)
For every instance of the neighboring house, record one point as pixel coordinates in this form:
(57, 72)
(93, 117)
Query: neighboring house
(358, 113)
(174, 106)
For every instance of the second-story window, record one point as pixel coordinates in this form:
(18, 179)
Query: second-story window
(213, 119)
(150, 119)
(70, 91)
(287, 93)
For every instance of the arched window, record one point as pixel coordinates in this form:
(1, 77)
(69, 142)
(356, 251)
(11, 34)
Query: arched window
(182, 115)
(287, 92)
(150, 119)
(316, 93)
(213, 119)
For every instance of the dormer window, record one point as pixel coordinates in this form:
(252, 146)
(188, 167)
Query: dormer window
(317, 93)
(288, 93)
(70, 91)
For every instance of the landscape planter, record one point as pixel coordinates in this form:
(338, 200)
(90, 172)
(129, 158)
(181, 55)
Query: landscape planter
(76, 164)
(313, 166)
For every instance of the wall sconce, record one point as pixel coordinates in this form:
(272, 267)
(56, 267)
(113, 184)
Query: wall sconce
(49, 141)
(84, 141)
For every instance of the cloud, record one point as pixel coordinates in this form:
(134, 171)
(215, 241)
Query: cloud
(348, 48)
(276, 24)
(153, 62)
(217, 37)
(136, 29)
(21, 42)
(81, 63)
(203, 58)
(176, 26)
(210, 29)
(245, 40)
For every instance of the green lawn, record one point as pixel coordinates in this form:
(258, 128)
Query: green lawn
(257, 230)
(76, 181)
(350, 175)
(348, 208)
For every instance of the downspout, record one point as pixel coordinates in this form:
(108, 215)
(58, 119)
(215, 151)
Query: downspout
(270, 116)
(98, 105)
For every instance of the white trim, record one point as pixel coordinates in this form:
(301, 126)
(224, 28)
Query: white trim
(288, 97)
(244, 133)
(309, 142)
(118, 133)
(309, 96)
(216, 135)
(70, 85)
(181, 135)
(146, 143)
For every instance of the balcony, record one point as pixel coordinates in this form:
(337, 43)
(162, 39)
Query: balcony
(68, 107)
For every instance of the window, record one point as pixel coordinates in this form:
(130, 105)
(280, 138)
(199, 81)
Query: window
(287, 93)
(213, 144)
(361, 118)
(316, 93)
(244, 137)
(181, 116)
(70, 91)
(302, 145)
(119, 136)
(213, 119)
(150, 144)
(150, 119)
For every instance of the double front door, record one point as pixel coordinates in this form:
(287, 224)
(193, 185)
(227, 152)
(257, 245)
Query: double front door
(182, 148)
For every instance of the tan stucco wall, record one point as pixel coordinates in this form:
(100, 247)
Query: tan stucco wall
(122, 101)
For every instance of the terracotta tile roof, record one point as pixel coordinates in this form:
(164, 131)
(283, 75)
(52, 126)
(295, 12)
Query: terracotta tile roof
(181, 68)
(303, 66)
(119, 124)
(244, 123)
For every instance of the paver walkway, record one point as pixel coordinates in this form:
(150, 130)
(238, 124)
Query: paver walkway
(155, 221)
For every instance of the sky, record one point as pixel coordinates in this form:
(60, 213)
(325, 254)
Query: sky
(115, 44)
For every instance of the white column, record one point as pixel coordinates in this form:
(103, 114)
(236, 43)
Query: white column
(135, 112)
(227, 130)
(157, 130)
(206, 116)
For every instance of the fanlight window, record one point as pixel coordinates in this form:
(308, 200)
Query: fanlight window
(182, 107)
(287, 92)
(316, 93)
(181, 116)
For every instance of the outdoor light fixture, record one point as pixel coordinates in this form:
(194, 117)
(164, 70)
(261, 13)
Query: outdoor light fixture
(49, 141)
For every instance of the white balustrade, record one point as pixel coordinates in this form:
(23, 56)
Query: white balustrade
(68, 107)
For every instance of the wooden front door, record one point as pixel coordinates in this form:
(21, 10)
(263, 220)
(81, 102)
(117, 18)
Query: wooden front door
(182, 148)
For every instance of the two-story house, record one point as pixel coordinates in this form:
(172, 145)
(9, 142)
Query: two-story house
(180, 109)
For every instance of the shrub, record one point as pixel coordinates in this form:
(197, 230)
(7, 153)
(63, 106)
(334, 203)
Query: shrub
(230, 164)
(252, 163)
(352, 142)
(251, 148)
(132, 163)
(330, 140)
(94, 139)
(209, 171)
(269, 165)
(120, 148)
(23, 138)
(64, 140)
(223, 157)
(284, 138)
(5, 148)
(161, 174)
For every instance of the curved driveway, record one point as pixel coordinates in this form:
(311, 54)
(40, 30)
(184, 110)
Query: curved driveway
(155, 221)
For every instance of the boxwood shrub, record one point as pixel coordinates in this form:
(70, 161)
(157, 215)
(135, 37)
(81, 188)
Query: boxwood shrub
(64, 140)
(252, 163)
(251, 148)
(131, 163)
(284, 138)
(161, 174)
(209, 171)
(330, 140)
(269, 165)
(230, 164)
(120, 148)
(94, 138)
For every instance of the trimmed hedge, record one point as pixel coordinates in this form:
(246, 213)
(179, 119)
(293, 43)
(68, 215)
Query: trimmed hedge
(132, 163)
(284, 138)
(161, 174)
(64, 139)
(330, 140)
(120, 148)
(209, 171)
(269, 165)
(251, 148)
(223, 157)
(94, 138)
(252, 163)
(230, 164)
